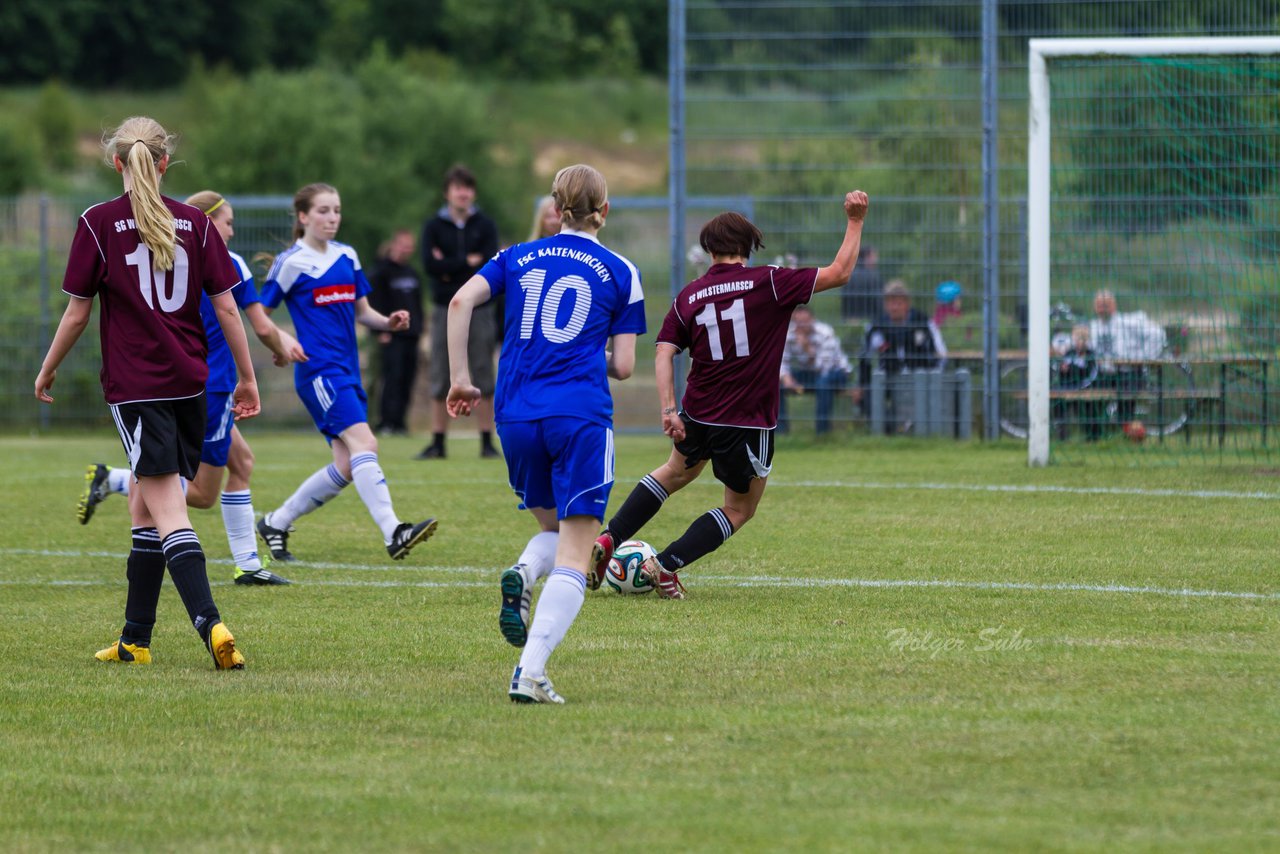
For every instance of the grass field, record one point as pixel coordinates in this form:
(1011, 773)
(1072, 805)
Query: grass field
(914, 646)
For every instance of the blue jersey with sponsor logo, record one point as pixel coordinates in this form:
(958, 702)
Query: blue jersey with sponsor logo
(321, 289)
(222, 365)
(566, 296)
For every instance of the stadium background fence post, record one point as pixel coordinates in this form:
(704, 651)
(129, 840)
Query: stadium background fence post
(1037, 258)
(42, 342)
(676, 188)
(990, 225)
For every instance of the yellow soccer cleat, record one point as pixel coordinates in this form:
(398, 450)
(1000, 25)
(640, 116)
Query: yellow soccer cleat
(125, 653)
(222, 646)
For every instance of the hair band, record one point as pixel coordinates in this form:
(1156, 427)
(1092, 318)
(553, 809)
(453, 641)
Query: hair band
(219, 203)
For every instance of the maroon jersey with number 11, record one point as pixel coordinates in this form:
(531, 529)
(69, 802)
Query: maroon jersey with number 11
(733, 321)
(153, 344)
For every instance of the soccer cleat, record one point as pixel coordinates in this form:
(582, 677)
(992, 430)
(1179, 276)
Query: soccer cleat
(95, 491)
(431, 452)
(277, 541)
(222, 646)
(601, 554)
(259, 577)
(125, 653)
(513, 615)
(526, 689)
(489, 452)
(666, 582)
(408, 535)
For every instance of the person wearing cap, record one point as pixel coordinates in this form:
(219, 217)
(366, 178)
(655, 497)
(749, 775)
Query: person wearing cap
(946, 300)
(902, 339)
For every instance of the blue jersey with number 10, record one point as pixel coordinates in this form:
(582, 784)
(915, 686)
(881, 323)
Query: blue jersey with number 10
(566, 296)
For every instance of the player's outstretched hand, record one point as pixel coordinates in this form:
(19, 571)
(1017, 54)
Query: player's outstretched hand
(245, 401)
(461, 400)
(44, 382)
(398, 320)
(673, 426)
(855, 205)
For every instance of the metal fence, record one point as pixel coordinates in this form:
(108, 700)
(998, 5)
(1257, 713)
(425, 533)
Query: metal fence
(922, 104)
(36, 232)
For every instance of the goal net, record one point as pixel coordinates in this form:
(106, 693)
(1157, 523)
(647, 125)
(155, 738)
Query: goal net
(1153, 216)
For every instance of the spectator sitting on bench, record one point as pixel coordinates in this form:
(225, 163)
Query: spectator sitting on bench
(902, 339)
(1075, 369)
(812, 359)
(1118, 338)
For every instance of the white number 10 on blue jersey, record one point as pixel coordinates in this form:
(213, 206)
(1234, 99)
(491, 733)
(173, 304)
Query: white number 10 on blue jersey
(532, 283)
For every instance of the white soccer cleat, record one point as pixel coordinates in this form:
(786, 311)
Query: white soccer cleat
(526, 689)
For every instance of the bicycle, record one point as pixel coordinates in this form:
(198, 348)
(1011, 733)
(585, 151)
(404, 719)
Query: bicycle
(1159, 393)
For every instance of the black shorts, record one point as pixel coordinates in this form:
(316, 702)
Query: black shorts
(162, 436)
(738, 454)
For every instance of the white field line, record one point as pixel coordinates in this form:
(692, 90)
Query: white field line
(1031, 488)
(771, 581)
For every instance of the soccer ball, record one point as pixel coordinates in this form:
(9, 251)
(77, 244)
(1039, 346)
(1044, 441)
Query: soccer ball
(623, 573)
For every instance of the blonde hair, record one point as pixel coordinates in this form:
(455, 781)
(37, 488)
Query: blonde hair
(536, 231)
(141, 143)
(580, 193)
(206, 200)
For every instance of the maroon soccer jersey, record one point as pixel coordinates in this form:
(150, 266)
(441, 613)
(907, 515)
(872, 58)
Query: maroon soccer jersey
(733, 321)
(153, 344)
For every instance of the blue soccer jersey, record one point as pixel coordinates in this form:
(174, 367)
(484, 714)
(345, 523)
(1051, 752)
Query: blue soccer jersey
(321, 289)
(566, 296)
(222, 365)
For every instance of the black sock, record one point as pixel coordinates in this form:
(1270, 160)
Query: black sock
(186, 565)
(437, 440)
(486, 439)
(641, 505)
(707, 533)
(145, 571)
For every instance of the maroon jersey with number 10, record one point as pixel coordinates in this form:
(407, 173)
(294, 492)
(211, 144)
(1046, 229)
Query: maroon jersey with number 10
(153, 344)
(733, 321)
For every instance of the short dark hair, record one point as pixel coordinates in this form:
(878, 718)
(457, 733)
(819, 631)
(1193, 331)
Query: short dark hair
(731, 234)
(459, 174)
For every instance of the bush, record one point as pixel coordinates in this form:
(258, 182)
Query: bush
(19, 157)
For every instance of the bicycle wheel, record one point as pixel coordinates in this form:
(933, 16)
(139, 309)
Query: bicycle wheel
(1170, 399)
(1013, 400)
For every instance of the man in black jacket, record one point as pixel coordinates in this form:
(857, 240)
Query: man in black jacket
(902, 339)
(457, 242)
(397, 286)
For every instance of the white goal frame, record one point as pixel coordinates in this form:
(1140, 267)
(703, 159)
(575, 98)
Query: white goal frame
(1038, 167)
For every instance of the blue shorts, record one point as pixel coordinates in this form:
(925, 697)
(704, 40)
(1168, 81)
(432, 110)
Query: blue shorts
(217, 428)
(562, 462)
(334, 403)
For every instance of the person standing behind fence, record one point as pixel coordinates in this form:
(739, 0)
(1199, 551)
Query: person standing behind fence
(397, 287)
(860, 299)
(733, 322)
(812, 360)
(327, 294)
(224, 449)
(455, 243)
(148, 258)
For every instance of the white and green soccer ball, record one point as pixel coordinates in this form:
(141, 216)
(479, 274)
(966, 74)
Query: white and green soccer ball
(623, 573)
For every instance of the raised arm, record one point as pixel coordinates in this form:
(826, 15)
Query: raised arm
(70, 328)
(838, 271)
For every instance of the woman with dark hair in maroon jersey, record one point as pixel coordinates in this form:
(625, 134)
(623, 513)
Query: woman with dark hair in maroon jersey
(148, 258)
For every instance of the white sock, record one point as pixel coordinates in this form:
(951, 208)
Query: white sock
(237, 518)
(558, 606)
(539, 556)
(118, 480)
(314, 492)
(371, 483)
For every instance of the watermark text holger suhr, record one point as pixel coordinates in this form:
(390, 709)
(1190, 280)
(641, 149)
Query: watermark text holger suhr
(992, 639)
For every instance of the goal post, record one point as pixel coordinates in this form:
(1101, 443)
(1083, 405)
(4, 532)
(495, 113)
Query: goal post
(1039, 170)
